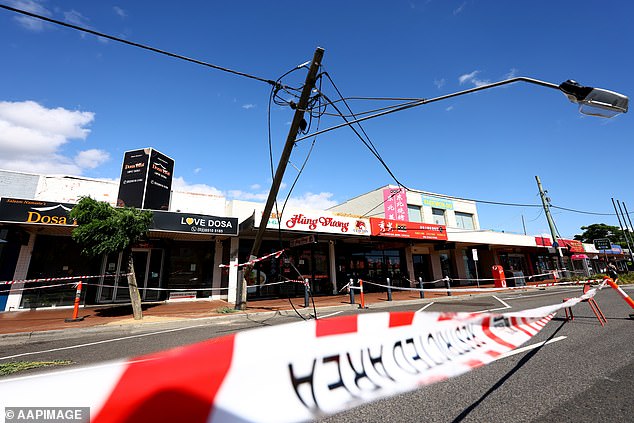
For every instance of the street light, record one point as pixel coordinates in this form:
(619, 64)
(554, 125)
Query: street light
(592, 101)
(595, 101)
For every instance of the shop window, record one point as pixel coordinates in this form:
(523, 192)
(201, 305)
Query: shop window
(439, 216)
(414, 213)
(378, 265)
(464, 220)
(190, 266)
(55, 256)
(469, 267)
(446, 265)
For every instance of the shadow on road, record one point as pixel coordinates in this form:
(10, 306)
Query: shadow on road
(500, 382)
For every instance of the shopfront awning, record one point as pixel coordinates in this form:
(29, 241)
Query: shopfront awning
(579, 256)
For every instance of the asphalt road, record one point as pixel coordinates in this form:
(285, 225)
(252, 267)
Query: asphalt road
(584, 373)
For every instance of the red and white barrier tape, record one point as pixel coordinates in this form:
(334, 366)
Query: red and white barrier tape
(251, 262)
(65, 278)
(475, 289)
(288, 373)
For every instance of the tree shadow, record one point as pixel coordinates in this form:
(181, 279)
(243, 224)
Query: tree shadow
(500, 382)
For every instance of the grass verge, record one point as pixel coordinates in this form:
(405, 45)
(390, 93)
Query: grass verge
(19, 366)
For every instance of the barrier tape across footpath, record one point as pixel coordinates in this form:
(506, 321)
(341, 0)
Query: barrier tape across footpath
(288, 373)
(62, 278)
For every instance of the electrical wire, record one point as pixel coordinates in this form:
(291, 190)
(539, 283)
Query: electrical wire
(371, 111)
(538, 216)
(134, 44)
(368, 143)
(351, 113)
(498, 203)
(582, 212)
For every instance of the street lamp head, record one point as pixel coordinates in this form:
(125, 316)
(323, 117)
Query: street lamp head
(595, 101)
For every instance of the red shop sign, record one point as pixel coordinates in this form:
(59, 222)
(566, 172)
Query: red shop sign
(403, 229)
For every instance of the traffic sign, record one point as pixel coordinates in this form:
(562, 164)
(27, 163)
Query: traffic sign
(602, 244)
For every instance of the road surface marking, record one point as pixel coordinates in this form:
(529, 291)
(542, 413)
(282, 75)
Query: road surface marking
(506, 306)
(532, 347)
(424, 307)
(535, 295)
(330, 315)
(105, 341)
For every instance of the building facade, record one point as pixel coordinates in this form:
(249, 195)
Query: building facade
(194, 249)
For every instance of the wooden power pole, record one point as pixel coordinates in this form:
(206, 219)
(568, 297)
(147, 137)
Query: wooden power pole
(311, 78)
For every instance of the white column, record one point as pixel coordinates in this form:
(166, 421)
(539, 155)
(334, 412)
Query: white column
(436, 268)
(21, 270)
(233, 271)
(216, 276)
(333, 266)
(460, 265)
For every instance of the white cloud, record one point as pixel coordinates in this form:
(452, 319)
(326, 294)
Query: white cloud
(90, 159)
(460, 8)
(247, 196)
(309, 200)
(32, 24)
(439, 83)
(511, 74)
(255, 187)
(472, 78)
(449, 109)
(31, 137)
(467, 77)
(248, 106)
(197, 170)
(120, 12)
(179, 184)
(75, 18)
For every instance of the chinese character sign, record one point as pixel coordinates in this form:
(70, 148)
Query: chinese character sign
(395, 204)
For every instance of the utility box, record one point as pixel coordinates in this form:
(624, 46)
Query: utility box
(516, 278)
(499, 279)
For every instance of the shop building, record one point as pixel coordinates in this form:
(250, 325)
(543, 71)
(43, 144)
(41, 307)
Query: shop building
(389, 233)
(179, 259)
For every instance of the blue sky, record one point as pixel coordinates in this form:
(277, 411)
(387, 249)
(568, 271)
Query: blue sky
(73, 103)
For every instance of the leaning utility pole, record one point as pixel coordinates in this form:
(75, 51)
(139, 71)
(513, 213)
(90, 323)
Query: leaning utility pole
(311, 78)
(551, 223)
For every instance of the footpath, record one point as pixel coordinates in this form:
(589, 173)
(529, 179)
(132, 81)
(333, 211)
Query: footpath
(49, 319)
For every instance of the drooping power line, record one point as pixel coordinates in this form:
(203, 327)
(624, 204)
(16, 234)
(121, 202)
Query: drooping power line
(134, 44)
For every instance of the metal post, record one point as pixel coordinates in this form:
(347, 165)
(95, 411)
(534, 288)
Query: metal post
(448, 286)
(306, 302)
(389, 290)
(309, 84)
(420, 284)
(351, 289)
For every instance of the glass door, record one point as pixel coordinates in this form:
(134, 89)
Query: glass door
(152, 279)
(148, 264)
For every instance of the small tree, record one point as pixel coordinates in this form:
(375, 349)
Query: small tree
(103, 229)
(601, 230)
